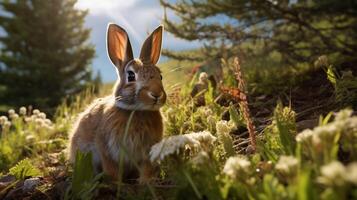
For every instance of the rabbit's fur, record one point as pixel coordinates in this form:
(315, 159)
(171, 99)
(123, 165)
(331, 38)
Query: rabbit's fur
(100, 128)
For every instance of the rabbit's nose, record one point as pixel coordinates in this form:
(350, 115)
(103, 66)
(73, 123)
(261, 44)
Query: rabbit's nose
(154, 95)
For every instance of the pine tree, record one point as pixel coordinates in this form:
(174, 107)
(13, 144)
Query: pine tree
(299, 30)
(45, 54)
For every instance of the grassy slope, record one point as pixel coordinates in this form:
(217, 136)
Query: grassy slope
(175, 73)
(310, 89)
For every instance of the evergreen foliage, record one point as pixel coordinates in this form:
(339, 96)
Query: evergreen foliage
(298, 30)
(45, 54)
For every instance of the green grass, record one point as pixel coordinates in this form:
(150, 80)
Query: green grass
(209, 163)
(175, 73)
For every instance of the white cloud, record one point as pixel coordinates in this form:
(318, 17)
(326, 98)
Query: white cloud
(99, 7)
(138, 17)
(133, 15)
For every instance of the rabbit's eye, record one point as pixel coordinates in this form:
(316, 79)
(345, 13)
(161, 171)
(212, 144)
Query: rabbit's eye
(160, 77)
(131, 76)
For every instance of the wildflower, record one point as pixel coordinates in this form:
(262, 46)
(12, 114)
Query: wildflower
(11, 112)
(36, 112)
(170, 145)
(42, 115)
(224, 127)
(3, 119)
(203, 77)
(323, 137)
(47, 121)
(287, 165)
(46, 126)
(332, 174)
(223, 132)
(174, 144)
(305, 136)
(343, 115)
(28, 119)
(14, 116)
(203, 137)
(236, 166)
(38, 121)
(22, 110)
(7, 125)
(33, 118)
(351, 173)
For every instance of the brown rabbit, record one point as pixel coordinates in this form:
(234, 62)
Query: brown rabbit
(100, 128)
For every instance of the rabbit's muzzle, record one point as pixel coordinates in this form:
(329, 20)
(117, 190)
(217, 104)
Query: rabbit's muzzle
(153, 95)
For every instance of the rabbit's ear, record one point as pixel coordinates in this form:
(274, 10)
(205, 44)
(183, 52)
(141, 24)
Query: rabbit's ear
(151, 50)
(118, 46)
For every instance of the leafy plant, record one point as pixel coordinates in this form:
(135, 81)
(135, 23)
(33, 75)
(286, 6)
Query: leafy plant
(24, 169)
(279, 137)
(84, 181)
(345, 86)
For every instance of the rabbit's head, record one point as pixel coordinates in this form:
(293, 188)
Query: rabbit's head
(139, 85)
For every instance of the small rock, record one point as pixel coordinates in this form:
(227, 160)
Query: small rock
(31, 183)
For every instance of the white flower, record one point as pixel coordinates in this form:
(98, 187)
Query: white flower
(36, 112)
(170, 145)
(287, 164)
(11, 112)
(328, 130)
(46, 126)
(343, 115)
(7, 125)
(42, 115)
(22, 110)
(351, 173)
(236, 165)
(203, 77)
(33, 118)
(38, 121)
(203, 137)
(174, 144)
(343, 123)
(224, 127)
(14, 116)
(3, 119)
(28, 119)
(48, 121)
(332, 174)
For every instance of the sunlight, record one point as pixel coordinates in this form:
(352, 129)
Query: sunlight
(113, 10)
(249, 100)
(104, 7)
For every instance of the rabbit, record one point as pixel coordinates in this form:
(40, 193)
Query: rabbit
(100, 128)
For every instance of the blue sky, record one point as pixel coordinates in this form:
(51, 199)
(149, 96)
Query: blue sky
(138, 17)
